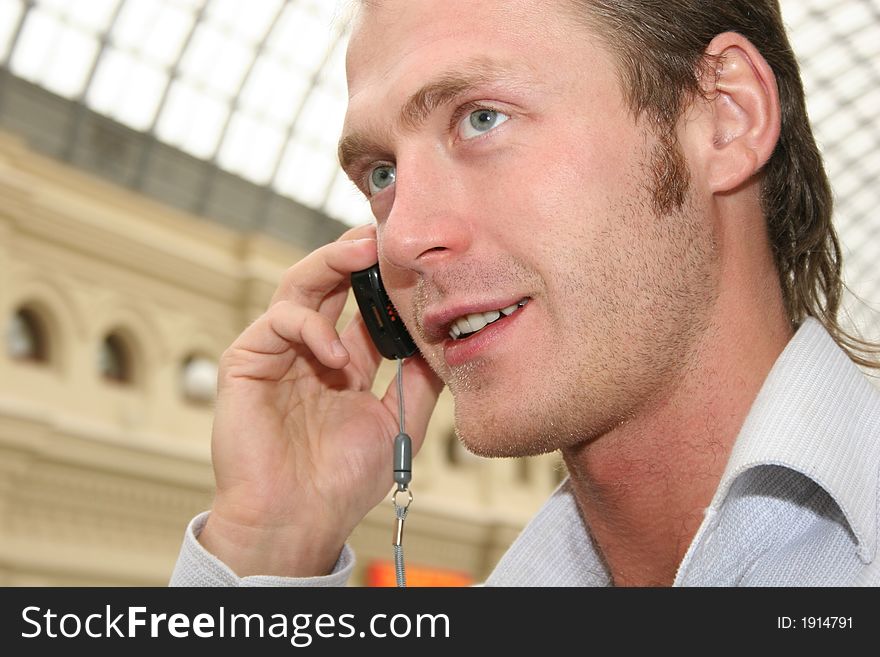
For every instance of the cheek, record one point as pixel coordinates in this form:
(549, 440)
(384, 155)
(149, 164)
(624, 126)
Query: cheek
(567, 191)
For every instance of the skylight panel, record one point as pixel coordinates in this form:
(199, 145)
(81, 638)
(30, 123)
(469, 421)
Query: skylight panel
(10, 14)
(54, 54)
(192, 120)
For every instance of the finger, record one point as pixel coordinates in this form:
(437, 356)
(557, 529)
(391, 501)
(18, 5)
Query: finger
(365, 358)
(333, 304)
(284, 326)
(421, 388)
(324, 272)
(335, 301)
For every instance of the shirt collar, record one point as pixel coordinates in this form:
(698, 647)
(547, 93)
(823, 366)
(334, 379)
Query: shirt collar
(817, 414)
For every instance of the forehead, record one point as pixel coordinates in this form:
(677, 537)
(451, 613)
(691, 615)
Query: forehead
(396, 43)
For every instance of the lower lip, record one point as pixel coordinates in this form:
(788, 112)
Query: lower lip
(459, 352)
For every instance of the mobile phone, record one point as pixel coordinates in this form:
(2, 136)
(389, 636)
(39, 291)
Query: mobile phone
(384, 324)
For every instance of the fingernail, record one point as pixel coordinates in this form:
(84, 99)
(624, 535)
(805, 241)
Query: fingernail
(338, 349)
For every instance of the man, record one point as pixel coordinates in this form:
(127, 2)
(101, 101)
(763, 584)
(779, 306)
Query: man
(640, 187)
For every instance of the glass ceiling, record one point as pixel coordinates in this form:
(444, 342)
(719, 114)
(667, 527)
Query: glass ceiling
(257, 88)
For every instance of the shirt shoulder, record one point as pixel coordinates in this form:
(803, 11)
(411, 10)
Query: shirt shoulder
(799, 500)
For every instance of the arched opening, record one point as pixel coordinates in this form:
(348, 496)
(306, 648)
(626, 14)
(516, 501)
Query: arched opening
(27, 337)
(115, 359)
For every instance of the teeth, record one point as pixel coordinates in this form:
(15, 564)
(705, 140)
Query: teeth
(477, 321)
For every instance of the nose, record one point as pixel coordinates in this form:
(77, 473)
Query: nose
(428, 223)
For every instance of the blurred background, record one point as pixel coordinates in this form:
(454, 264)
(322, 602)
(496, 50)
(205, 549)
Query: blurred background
(162, 162)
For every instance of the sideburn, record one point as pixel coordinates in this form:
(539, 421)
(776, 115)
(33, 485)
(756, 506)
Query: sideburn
(671, 176)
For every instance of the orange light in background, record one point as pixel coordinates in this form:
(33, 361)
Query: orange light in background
(381, 573)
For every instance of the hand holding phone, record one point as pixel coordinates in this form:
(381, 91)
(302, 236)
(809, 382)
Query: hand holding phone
(301, 445)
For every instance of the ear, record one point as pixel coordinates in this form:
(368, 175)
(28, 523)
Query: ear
(743, 112)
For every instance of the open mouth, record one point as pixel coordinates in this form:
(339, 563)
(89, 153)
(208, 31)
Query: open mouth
(465, 327)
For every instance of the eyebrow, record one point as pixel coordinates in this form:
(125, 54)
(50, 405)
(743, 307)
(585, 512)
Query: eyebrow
(442, 90)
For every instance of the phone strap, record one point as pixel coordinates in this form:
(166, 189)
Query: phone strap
(402, 477)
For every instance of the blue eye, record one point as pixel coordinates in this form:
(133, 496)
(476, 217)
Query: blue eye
(381, 177)
(480, 122)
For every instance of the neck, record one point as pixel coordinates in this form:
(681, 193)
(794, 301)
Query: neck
(643, 487)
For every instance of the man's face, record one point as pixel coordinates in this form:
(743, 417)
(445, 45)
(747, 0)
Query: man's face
(511, 183)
